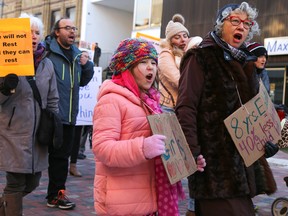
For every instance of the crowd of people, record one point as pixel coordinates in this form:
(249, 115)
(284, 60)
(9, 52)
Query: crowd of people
(201, 80)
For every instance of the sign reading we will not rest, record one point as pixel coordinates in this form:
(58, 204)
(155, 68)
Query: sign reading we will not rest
(16, 54)
(252, 125)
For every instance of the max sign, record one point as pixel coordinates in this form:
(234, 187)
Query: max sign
(178, 160)
(252, 125)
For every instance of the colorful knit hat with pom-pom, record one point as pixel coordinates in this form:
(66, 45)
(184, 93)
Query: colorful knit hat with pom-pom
(175, 26)
(129, 52)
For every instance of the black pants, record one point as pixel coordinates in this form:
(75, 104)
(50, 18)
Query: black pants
(59, 162)
(86, 133)
(76, 144)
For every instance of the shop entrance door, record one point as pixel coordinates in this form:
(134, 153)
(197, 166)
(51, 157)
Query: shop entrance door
(278, 81)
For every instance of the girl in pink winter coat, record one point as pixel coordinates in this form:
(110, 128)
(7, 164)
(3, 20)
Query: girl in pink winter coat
(129, 176)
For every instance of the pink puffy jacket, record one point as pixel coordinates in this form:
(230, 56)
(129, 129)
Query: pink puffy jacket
(124, 181)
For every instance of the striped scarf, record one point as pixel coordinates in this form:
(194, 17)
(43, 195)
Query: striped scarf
(237, 54)
(38, 55)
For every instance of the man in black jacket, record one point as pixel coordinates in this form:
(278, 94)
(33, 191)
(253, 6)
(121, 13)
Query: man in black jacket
(97, 54)
(71, 73)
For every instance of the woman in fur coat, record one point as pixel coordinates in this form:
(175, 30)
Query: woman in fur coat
(216, 78)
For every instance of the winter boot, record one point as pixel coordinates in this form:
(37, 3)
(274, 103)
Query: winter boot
(190, 213)
(13, 204)
(2, 213)
(73, 170)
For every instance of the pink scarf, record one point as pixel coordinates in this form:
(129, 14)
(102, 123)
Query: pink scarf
(167, 194)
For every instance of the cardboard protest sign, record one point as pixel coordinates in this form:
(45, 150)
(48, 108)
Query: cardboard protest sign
(88, 98)
(252, 125)
(16, 54)
(178, 160)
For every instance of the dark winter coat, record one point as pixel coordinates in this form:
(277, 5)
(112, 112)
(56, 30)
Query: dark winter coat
(19, 116)
(207, 95)
(70, 76)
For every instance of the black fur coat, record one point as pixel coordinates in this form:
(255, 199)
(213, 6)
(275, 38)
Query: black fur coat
(208, 95)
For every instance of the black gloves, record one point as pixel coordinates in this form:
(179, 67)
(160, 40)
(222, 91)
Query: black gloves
(270, 149)
(9, 84)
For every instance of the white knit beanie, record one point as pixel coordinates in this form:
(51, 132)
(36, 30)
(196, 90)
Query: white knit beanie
(175, 26)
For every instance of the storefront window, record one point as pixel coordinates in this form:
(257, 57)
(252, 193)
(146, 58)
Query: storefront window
(148, 13)
(156, 14)
(55, 15)
(142, 13)
(39, 15)
(71, 13)
(277, 77)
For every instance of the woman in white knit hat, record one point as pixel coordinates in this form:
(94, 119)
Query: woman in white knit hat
(173, 48)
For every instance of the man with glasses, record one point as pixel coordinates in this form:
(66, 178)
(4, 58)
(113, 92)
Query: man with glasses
(71, 73)
(215, 80)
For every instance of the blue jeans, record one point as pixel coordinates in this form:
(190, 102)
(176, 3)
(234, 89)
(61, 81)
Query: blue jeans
(191, 204)
(166, 109)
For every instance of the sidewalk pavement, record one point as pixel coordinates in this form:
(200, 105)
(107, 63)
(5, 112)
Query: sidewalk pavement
(80, 190)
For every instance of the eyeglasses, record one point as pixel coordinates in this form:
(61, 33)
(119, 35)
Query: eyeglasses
(69, 28)
(235, 21)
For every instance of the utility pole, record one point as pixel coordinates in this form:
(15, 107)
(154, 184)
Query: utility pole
(2, 4)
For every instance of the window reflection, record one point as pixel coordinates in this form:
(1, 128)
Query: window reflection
(39, 15)
(148, 13)
(142, 13)
(55, 15)
(156, 12)
(277, 77)
(71, 13)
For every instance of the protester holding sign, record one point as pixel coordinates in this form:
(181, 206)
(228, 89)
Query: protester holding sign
(71, 73)
(21, 156)
(216, 79)
(127, 159)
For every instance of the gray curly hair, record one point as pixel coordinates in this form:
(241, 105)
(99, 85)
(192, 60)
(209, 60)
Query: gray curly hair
(244, 7)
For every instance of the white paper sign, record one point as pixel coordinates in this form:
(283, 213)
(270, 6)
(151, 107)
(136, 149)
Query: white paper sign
(88, 98)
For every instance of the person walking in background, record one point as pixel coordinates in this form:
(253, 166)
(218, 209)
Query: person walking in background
(78, 132)
(262, 55)
(213, 78)
(22, 156)
(75, 149)
(71, 73)
(171, 52)
(86, 133)
(97, 54)
(173, 48)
